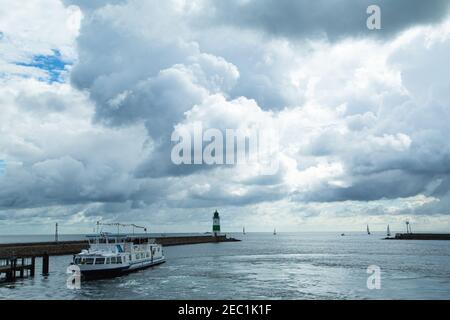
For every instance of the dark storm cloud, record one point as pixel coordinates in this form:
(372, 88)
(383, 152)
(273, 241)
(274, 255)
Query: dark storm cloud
(61, 181)
(333, 19)
(159, 163)
(218, 196)
(383, 185)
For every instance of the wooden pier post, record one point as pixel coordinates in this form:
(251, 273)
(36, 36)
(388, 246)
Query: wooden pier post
(45, 264)
(13, 265)
(8, 273)
(14, 269)
(33, 263)
(21, 271)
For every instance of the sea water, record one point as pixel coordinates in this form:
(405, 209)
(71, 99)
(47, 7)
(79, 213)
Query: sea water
(263, 266)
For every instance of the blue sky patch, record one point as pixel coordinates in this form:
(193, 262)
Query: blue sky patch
(53, 64)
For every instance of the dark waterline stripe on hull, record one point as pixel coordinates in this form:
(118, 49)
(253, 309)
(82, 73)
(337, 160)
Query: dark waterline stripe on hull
(106, 274)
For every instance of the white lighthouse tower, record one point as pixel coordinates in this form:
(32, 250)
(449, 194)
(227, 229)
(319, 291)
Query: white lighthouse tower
(216, 224)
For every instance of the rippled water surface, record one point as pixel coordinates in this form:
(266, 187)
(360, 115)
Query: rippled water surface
(264, 266)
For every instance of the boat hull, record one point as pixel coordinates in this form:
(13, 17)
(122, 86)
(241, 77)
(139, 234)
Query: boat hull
(117, 272)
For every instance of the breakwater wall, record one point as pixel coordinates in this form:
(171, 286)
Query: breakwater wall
(421, 236)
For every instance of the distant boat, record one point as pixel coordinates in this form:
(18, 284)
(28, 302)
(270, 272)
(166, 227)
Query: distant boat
(243, 230)
(388, 231)
(274, 232)
(368, 230)
(343, 235)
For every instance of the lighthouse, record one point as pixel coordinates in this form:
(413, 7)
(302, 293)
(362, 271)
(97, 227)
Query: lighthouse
(216, 224)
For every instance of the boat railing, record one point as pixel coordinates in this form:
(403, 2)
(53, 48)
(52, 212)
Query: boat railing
(110, 247)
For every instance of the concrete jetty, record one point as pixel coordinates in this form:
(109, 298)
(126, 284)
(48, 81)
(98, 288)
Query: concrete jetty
(420, 236)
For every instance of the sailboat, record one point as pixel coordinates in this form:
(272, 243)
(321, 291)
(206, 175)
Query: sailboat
(388, 231)
(368, 230)
(243, 230)
(274, 232)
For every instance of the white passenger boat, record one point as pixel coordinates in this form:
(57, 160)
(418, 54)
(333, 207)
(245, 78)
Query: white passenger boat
(111, 255)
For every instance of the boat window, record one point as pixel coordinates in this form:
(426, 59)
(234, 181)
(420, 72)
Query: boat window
(100, 261)
(108, 260)
(148, 255)
(90, 261)
(113, 260)
(119, 260)
(77, 260)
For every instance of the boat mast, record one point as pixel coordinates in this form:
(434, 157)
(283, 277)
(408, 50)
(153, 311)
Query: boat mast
(368, 230)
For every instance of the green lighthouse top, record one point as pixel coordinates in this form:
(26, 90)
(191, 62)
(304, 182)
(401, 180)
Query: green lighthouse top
(216, 215)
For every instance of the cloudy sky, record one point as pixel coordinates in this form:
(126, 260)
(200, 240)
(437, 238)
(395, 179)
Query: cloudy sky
(91, 91)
